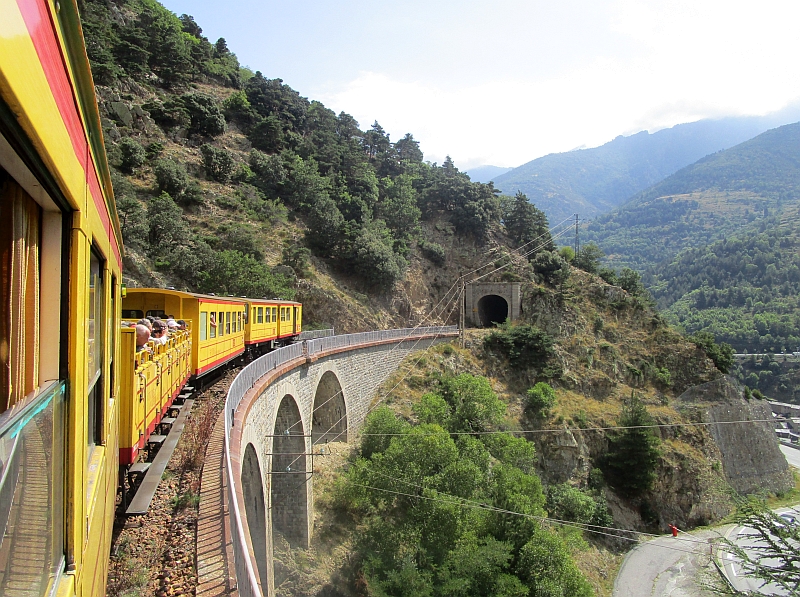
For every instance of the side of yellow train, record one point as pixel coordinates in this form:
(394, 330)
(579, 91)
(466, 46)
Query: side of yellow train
(77, 399)
(60, 272)
(220, 330)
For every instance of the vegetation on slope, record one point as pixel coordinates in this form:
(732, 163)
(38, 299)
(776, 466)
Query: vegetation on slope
(231, 181)
(717, 242)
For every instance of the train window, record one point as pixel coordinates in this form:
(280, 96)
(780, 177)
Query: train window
(213, 326)
(20, 246)
(94, 360)
(157, 313)
(132, 314)
(239, 321)
(221, 320)
(274, 314)
(228, 322)
(203, 324)
(261, 315)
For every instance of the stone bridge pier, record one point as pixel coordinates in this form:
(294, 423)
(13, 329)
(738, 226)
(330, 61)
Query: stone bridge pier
(307, 396)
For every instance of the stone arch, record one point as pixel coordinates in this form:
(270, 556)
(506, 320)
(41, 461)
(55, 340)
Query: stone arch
(329, 415)
(289, 487)
(492, 309)
(255, 510)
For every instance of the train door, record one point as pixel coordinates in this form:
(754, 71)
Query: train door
(295, 319)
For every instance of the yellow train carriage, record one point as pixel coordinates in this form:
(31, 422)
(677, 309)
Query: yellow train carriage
(60, 247)
(218, 322)
(151, 379)
(272, 320)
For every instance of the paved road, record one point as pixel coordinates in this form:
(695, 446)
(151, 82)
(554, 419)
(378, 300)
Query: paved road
(666, 567)
(792, 455)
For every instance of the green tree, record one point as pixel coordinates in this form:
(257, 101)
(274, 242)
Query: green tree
(218, 163)
(374, 258)
(167, 228)
(633, 454)
(588, 258)
(527, 225)
(432, 408)
(540, 398)
(474, 405)
(721, 354)
(132, 155)
(380, 427)
(546, 567)
(171, 178)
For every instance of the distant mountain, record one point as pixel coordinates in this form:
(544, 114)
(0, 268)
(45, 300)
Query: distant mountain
(486, 173)
(592, 182)
(713, 198)
(718, 242)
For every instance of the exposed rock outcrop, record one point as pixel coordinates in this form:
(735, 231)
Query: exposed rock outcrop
(749, 451)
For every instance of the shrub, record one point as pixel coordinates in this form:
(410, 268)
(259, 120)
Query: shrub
(526, 347)
(551, 267)
(374, 259)
(218, 163)
(132, 155)
(432, 251)
(205, 117)
(171, 178)
(154, 149)
(721, 354)
(432, 408)
(297, 257)
(540, 399)
(569, 503)
(474, 405)
(385, 425)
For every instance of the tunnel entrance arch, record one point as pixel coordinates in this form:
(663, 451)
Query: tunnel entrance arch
(289, 487)
(329, 419)
(486, 303)
(492, 309)
(255, 510)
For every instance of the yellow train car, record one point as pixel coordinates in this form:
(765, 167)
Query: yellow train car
(218, 322)
(61, 250)
(270, 321)
(150, 381)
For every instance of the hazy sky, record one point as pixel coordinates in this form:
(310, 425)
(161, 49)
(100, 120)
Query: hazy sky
(506, 81)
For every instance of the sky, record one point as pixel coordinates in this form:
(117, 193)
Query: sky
(507, 81)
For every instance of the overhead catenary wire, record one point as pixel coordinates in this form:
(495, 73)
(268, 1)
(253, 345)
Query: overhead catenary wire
(457, 297)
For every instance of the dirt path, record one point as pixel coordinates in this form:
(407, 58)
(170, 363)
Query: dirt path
(154, 555)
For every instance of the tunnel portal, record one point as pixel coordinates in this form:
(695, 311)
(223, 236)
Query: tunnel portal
(492, 309)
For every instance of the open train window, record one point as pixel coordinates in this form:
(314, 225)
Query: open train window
(157, 313)
(132, 314)
(203, 324)
(213, 326)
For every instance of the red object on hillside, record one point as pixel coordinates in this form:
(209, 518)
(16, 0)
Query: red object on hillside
(674, 530)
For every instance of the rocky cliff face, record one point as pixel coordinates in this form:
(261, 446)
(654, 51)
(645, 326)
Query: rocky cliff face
(749, 453)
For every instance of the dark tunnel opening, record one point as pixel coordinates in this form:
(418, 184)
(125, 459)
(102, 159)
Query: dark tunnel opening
(492, 309)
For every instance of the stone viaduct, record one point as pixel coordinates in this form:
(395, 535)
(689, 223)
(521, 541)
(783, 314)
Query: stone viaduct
(281, 409)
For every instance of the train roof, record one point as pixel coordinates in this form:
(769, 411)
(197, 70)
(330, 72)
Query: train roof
(213, 297)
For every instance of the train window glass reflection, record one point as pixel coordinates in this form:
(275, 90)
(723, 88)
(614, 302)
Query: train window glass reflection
(203, 324)
(239, 321)
(260, 315)
(228, 322)
(95, 338)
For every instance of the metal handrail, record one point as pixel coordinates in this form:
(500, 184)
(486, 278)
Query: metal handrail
(247, 582)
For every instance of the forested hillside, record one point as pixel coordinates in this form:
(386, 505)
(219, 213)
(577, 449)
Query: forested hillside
(717, 242)
(591, 182)
(230, 182)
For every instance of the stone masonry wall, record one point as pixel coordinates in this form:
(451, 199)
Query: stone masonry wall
(360, 373)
